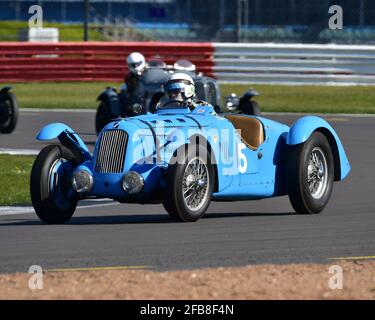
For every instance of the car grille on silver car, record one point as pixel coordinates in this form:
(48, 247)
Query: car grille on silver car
(111, 152)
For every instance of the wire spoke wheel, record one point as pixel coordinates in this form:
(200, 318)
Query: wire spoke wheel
(195, 184)
(310, 174)
(317, 173)
(190, 183)
(52, 196)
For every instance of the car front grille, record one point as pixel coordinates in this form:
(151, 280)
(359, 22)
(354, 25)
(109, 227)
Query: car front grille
(111, 152)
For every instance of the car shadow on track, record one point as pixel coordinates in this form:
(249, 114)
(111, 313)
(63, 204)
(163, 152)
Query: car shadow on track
(139, 219)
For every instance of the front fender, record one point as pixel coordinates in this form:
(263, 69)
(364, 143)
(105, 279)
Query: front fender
(250, 94)
(5, 90)
(67, 137)
(111, 98)
(301, 131)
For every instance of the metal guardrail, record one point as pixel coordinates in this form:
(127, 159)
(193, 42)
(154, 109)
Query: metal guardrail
(294, 64)
(267, 63)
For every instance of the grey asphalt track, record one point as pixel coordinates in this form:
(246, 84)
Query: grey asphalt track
(231, 234)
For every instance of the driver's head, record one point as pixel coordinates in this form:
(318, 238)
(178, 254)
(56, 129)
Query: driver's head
(180, 87)
(136, 62)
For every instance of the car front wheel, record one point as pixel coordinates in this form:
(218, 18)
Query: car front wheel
(52, 195)
(310, 174)
(8, 113)
(189, 184)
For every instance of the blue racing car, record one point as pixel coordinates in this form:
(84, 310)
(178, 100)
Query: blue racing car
(186, 158)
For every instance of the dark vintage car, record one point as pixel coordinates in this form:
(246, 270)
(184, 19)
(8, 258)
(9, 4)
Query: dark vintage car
(149, 91)
(8, 110)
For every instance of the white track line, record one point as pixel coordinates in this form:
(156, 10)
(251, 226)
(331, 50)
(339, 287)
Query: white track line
(10, 210)
(36, 110)
(19, 152)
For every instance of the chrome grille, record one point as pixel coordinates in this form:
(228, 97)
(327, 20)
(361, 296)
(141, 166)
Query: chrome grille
(111, 152)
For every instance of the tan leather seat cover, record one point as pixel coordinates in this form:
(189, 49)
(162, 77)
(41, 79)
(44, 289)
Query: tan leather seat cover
(251, 130)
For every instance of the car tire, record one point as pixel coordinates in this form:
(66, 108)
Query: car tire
(102, 117)
(188, 191)
(250, 107)
(52, 196)
(8, 113)
(310, 174)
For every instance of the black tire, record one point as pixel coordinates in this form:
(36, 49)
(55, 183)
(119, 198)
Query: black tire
(8, 113)
(52, 206)
(174, 201)
(300, 168)
(103, 116)
(250, 107)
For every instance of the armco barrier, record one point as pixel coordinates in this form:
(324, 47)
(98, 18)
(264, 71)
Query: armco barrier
(90, 61)
(229, 62)
(294, 63)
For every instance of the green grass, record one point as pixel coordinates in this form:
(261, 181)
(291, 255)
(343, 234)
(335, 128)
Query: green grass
(311, 99)
(276, 98)
(59, 95)
(9, 31)
(14, 179)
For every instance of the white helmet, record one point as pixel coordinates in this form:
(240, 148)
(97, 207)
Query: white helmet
(180, 87)
(136, 62)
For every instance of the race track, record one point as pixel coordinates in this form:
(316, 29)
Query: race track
(232, 233)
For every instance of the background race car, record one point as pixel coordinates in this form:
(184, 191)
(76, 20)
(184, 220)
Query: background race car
(149, 91)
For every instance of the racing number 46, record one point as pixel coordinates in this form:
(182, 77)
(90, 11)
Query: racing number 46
(242, 160)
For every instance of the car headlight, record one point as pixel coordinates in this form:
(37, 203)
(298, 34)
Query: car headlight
(82, 181)
(132, 182)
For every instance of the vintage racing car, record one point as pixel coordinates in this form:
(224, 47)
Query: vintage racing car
(184, 159)
(113, 104)
(8, 110)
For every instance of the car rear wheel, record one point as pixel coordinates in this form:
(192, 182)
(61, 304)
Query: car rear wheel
(310, 175)
(189, 184)
(52, 195)
(8, 113)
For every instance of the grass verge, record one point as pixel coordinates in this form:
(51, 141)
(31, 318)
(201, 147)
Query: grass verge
(14, 179)
(274, 98)
(10, 30)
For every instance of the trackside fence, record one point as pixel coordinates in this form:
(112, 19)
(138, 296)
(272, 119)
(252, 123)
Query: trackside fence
(267, 63)
(90, 61)
(294, 63)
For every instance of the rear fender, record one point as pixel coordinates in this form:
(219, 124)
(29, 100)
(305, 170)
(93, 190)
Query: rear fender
(67, 137)
(301, 131)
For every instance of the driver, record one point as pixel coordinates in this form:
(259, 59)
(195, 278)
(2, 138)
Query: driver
(136, 63)
(180, 88)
